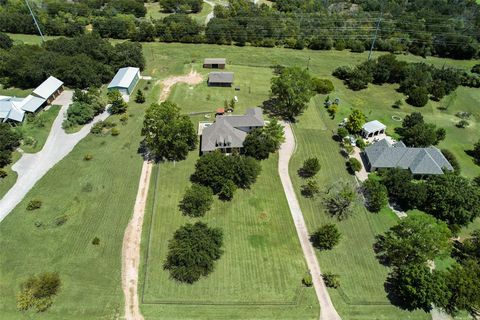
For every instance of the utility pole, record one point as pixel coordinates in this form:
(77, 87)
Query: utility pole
(35, 21)
(375, 35)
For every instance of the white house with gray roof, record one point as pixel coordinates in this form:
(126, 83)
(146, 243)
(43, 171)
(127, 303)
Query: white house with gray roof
(420, 161)
(228, 132)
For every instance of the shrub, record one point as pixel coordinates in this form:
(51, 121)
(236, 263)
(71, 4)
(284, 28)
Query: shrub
(360, 143)
(310, 189)
(88, 157)
(342, 132)
(139, 97)
(197, 201)
(331, 280)
(38, 291)
(3, 174)
(418, 97)
(193, 251)
(357, 46)
(97, 128)
(322, 86)
(124, 119)
(452, 159)
(326, 237)
(96, 241)
(310, 167)
(354, 165)
(34, 205)
(397, 104)
(307, 281)
(462, 124)
(60, 220)
(115, 132)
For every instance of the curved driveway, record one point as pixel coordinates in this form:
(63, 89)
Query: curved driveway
(327, 310)
(33, 166)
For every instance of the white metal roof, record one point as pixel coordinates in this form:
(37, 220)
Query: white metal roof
(9, 110)
(124, 77)
(31, 103)
(48, 87)
(373, 126)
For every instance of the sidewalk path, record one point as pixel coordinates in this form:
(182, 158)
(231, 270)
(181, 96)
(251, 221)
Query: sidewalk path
(33, 166)
(327, 310)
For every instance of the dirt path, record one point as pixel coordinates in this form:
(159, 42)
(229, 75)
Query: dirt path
(327, 310)
(133, 233)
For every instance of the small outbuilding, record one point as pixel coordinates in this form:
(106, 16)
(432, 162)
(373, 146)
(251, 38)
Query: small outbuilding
(220, 79)
(49, 89)
(373, 128)
(125, 80)
(214, 63)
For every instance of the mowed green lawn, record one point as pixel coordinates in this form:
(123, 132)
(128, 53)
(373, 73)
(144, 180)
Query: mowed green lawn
(96, 199)
(91, 275)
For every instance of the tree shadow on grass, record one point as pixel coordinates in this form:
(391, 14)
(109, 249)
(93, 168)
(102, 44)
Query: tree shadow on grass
(471, 153)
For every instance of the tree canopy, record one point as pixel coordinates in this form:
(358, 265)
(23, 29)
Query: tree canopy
(416, 133)
(192, 252)
(168, 134)
(197, 201)
(9, 141)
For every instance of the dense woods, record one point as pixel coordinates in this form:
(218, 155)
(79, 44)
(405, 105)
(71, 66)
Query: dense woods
(81, 62)
(445, 29)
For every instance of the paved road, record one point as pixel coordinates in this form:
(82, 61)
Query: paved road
(327, 310)
(33, 166)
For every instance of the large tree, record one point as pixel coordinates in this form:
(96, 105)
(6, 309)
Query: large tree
(376, 195)
(291, 92)
(168, 134)
(463, 283)
(339, 200)
(356, 120)
(453, 199)
(414, 240)
(196, 201)
(193, 251)
(326, 237)
(260, 142)
(416, 133)
(414, 286)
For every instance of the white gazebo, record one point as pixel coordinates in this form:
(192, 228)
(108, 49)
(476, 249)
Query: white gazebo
(372, 129)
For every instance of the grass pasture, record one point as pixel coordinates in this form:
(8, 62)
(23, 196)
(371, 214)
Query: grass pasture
(262, 260)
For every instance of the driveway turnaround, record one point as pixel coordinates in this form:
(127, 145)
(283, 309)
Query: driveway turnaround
(327, 310)
(33, 166)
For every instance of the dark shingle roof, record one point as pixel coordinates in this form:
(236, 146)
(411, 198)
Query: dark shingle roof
(220, 77)
(419, 160)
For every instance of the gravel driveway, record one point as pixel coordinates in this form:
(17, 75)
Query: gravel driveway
(33, 166)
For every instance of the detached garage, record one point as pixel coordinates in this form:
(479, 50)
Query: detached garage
(125, 80)
(220, 79)
(214, 63)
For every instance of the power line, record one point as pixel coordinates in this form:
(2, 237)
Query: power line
(35, 21)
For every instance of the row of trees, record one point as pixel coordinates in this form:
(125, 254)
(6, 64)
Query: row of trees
(80, 62)
(418, 81)
(9, 141)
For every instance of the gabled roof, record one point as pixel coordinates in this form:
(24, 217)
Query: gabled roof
(214, 61)
(48, 87)
(225, 132)
(124, 77)
(373, 126)
(220, 77)
(418, 160)
(31, 103)
(9, 109)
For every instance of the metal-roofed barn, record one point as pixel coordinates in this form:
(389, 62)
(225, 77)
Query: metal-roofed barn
(125, 80)
(49, 89)
(420, 161)
(229, 132)
(214, 63)
(220, 79)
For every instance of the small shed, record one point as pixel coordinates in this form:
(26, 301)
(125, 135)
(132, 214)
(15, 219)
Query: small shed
(221, 79)
(214, 63)
(49, 89)
(372, 129)
(220, 112)
(125, 80)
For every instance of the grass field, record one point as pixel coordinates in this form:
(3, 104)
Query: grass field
(91, 275)
(96, 199)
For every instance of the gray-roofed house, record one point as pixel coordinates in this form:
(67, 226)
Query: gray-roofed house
(125, 80)
(10, 110)
(420, 161)
(214, 63)
(229, 132)
(221, 79)
(372, 129)
(49, 89)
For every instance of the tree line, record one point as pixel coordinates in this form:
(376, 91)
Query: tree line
(80, 62)
(420, 27)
